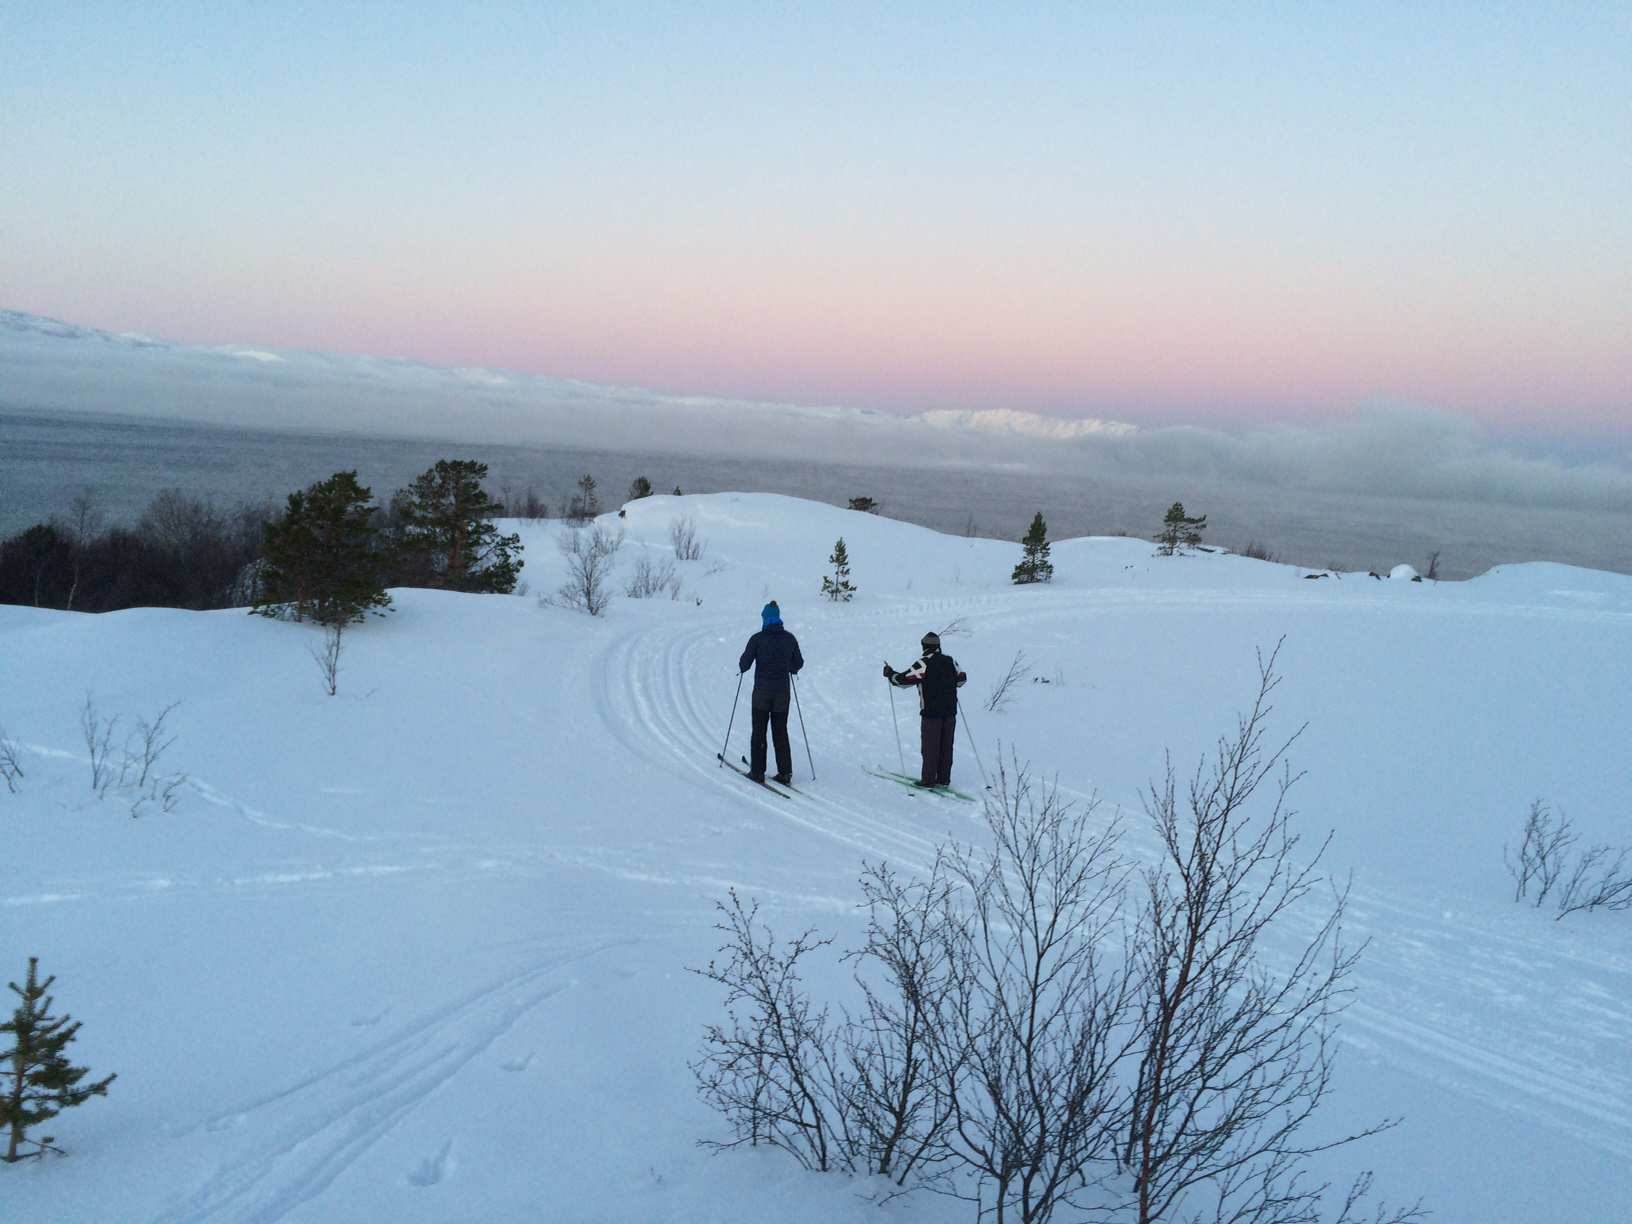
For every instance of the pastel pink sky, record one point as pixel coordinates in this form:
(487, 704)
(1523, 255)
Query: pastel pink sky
(1162, 217)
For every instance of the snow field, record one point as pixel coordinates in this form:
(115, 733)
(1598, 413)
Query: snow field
(418, 951)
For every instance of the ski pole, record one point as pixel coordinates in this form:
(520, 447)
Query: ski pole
(730, 724)
(970, 737)
(901, 756)
(805, 735)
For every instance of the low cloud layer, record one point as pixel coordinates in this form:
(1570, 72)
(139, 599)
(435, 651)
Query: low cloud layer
(1395, 451)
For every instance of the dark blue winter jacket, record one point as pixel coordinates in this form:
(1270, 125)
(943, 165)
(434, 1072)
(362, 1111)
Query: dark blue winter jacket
(775, 651)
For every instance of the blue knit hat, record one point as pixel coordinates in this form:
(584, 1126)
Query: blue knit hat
(770, 614)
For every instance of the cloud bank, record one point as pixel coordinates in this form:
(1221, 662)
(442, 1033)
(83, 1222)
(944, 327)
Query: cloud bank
(1387, 451)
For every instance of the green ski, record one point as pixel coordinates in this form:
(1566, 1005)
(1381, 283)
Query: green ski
(889, 775)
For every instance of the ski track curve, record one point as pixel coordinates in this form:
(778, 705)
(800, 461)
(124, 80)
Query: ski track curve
(648, 703)
(317, 1128)
(1418, 997)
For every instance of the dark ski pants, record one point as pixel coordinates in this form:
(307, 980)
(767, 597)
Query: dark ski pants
(937, 744)
(770, 708)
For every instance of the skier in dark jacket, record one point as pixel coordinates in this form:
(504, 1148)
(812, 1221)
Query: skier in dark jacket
(937, 679)
(774, 655)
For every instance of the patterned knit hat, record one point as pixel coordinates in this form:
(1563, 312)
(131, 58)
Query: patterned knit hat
(931, 641)
(770, 615)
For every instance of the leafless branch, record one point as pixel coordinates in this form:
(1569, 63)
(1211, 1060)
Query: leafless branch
(589, 554)
(1003, 691)
(10, 768)
(683, 536)
(327, 656)
(98, 744)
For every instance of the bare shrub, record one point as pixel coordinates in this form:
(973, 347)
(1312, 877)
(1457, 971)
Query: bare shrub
(1234, 1058)
(10, 769)
(901, 1074)
(590, 553)
(771, 1068)
(1599, 878)
(1037, 1038)
(683, 536)
(1041, 1002)
(1258, 552)
(150, 741)
(955, 628)
(651, 578)
(98, 736)
(1541, 855)
(327, 656)
(1003, 691)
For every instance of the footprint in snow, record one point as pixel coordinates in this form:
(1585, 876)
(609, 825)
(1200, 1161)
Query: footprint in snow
(433, 1169)
(519, 1064)
(370, 1021)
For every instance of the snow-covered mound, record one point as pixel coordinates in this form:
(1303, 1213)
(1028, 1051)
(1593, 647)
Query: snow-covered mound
(419, 951)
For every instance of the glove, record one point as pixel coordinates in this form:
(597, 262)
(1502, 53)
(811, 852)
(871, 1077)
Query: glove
(889, 672)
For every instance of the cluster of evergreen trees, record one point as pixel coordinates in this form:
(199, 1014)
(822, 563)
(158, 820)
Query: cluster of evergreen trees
(328, 555)
(332, 552)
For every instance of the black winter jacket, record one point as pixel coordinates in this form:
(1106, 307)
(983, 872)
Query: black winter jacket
(937, 678)
(773, 653)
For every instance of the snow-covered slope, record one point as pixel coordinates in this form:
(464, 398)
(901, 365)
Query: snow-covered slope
(419, 951)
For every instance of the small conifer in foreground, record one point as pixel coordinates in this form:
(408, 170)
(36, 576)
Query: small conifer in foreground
(1034, 563)
(836, 586)
(39, 1081)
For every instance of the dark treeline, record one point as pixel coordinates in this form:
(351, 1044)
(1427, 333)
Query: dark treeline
(184, 552)
(188, 552)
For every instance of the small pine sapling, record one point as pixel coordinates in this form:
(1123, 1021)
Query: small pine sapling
(1179, 530)
(39, 1081)
(1034, 563)
(836, 586)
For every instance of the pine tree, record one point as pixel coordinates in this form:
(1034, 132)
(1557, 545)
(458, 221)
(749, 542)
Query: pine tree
(639, 487)
(447, 537)
(836, 586)
(866, 504)
(320, 556)
(1179, 530)
(1034, 563)
(586, 503)
(39, 1081)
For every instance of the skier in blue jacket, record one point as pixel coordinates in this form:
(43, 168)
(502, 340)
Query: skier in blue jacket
(774, 655)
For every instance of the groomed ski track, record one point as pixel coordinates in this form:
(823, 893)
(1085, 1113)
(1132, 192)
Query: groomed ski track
(666, 696)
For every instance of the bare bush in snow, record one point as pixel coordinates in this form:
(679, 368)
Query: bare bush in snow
(1235, 1056)
(590, 553)
(651, 578)
(327, 656)
(10, 769)
(772, 1068)
(1540, 859)
(1038, 1038)
(1599, 878)
(683, 537)
(1003, 691)
(1041, 1004)
(98, 736)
